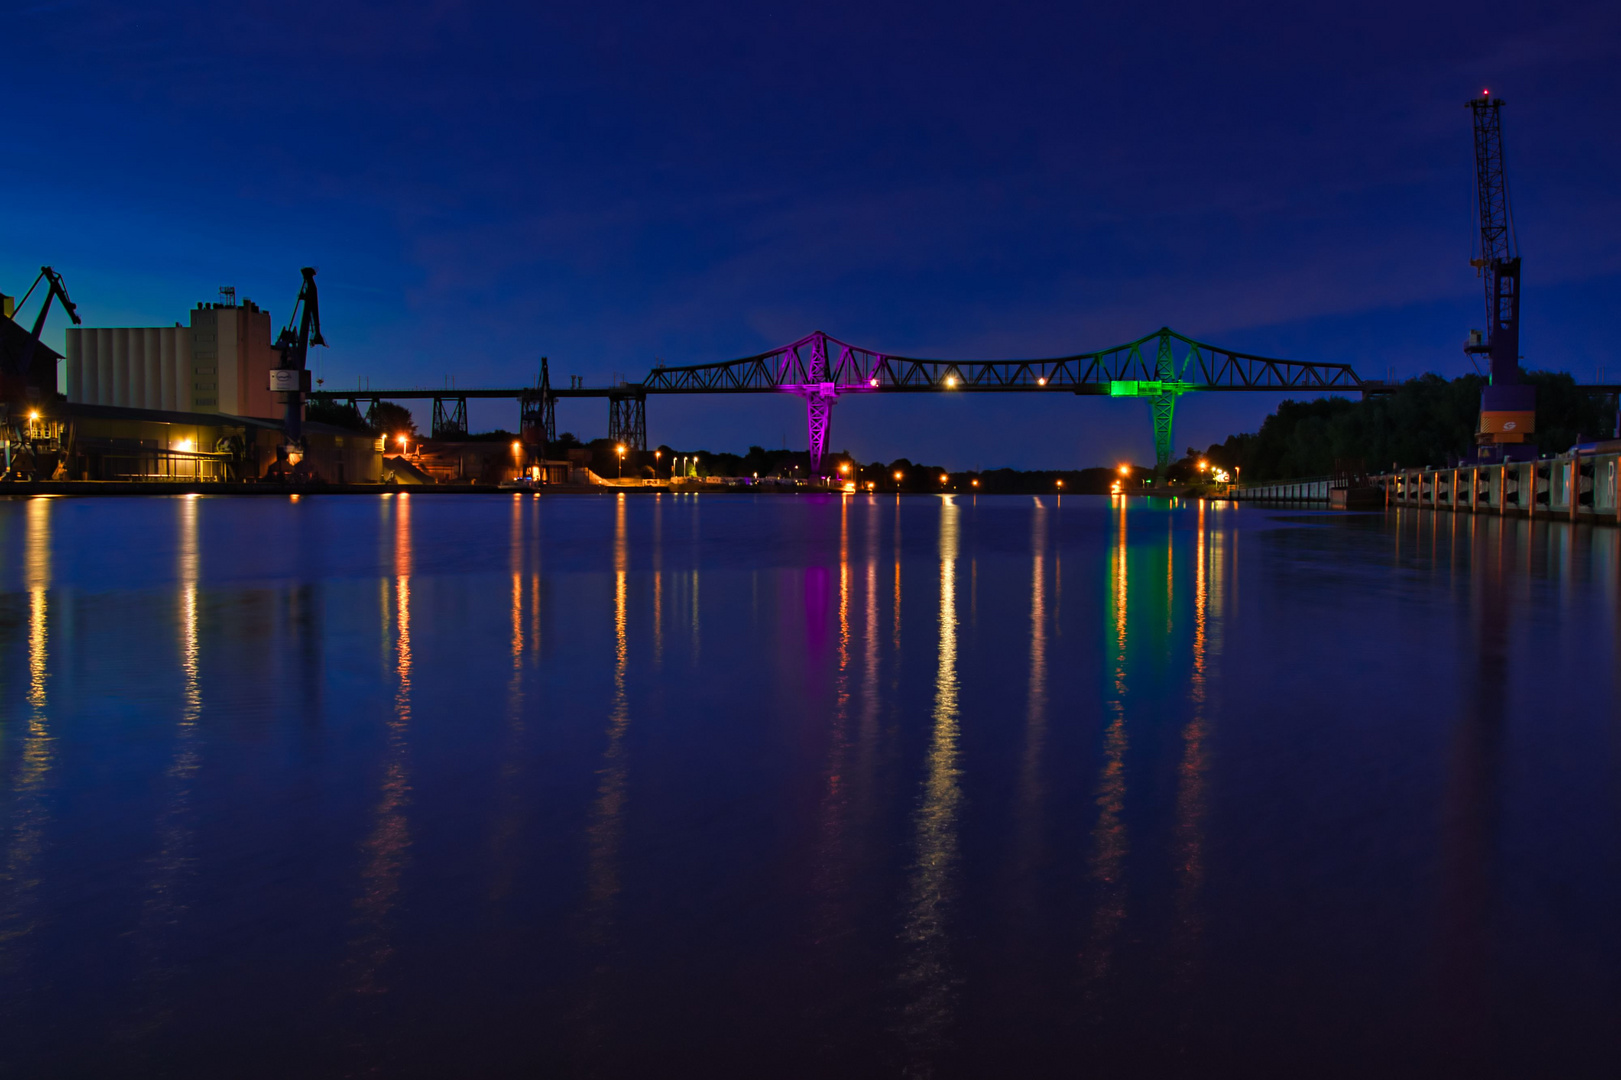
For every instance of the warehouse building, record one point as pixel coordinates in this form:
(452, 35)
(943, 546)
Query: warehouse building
(219, 364)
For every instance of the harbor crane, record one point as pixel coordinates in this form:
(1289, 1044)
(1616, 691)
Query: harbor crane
(26, 397)
(291, 379)
(1508, 406)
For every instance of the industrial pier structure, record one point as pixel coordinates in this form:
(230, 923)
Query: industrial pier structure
(1582, 485)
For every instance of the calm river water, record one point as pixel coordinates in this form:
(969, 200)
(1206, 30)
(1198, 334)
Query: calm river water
(440, 785)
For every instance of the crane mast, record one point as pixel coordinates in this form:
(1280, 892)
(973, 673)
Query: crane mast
(292, 379)
(34, 438)
(1507, 405)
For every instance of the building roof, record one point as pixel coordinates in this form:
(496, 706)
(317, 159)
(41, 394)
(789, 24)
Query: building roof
(14, 336)
(195, 419)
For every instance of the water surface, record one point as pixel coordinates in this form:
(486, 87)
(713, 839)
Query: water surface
(608, 785)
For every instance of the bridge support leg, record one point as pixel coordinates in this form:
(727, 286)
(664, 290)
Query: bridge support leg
(1164, 408)
(627, 420)
(818, 419)
(450, 423)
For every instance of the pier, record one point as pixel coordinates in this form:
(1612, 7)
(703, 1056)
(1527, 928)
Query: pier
(1583, 484)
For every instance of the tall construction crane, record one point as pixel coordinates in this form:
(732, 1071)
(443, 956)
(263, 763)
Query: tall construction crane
(292, 379)
(1508, 407)
(26, 401)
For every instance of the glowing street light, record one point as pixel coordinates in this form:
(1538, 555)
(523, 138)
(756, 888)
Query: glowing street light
(1203, 464)
(33, 414)
(1125, 470)
(621, 449)
(976, 481)
(1060, 483)
(844, 467)
(897, 476)
(517, 449)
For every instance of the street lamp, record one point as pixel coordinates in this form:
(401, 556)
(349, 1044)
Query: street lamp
(976, 481)
(621, 449)
(402, 441)
(944, 478)
(1060, 483)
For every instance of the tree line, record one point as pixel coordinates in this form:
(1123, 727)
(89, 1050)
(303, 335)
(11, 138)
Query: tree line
(1426, 421)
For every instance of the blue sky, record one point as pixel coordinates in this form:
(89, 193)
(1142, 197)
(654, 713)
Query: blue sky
(611, 183)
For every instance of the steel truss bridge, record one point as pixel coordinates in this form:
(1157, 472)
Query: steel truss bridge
(820, 369)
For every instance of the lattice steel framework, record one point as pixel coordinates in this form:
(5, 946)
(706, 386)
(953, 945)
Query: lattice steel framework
(451, 422)
(819, 358)
(627, 419)
(820, 368)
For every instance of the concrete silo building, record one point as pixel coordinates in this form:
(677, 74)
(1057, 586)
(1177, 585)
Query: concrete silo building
(219, 364)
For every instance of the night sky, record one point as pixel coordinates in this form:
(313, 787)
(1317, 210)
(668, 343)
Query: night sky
(610, 183)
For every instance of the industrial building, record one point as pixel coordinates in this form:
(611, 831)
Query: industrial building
(109, 442)
(219, 364)
(14, 341)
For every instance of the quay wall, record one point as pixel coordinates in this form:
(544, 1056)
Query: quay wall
(1580, 485)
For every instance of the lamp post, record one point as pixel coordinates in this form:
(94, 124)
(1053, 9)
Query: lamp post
(621, 449)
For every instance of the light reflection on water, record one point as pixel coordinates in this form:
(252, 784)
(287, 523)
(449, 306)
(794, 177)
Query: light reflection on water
(614, 784)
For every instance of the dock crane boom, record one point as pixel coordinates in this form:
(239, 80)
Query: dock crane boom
(1507, 405)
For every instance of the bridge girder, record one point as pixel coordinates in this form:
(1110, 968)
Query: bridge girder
(818, 358)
